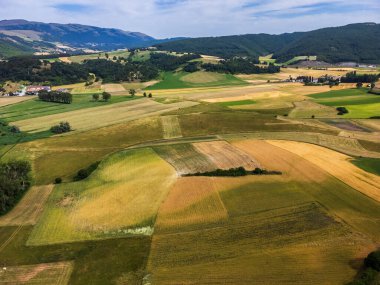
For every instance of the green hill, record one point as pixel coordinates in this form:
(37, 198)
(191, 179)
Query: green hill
(355, 42)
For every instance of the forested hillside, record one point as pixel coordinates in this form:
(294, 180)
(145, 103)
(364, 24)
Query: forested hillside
(355, 42)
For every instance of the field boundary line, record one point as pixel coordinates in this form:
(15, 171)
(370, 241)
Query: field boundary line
(11, 237)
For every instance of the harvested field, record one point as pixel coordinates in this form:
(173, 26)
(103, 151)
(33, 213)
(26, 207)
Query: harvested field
(4, 101)
(29, 209)
(171, 127)
(349, 146)
(203, 77)
(346, 125)
(40, 274)
(113, 88)
(307, 109)
(192, 203)
(113, 114)
(116, 200)
(288, 242)
(343, 201)
(185, 158)
(373, 124)
(337, 165)
(225, 156)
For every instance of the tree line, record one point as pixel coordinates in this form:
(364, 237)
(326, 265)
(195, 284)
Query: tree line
(240, 65)
(235, 172)
(14, 181)
(55, 96)
(354, 77)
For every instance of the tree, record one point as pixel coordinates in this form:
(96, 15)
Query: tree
(150, 95)
(62, 127)
(359, 85)
(106, 55)
(144, 94)
(58, 180)
(132, 92)
(106, 96)
(373, 85)
(373, 260)
(95, 97)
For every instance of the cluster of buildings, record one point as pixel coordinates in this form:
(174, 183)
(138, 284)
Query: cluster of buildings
(29, 90)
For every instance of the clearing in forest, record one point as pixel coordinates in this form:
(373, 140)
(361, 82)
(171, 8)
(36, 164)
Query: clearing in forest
(171, 127)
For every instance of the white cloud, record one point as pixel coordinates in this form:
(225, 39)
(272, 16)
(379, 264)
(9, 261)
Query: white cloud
(169, 18)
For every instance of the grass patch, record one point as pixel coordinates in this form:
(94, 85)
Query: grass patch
(236, 103)
(371, 165)
(179, 80)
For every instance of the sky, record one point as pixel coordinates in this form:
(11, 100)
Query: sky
(196, 18)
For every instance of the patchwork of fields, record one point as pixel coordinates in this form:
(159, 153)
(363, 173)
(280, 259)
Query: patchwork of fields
(141, 218)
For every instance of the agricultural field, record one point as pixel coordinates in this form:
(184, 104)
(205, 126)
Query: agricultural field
(359, 103)
(141, 217)
(86, 210)
(193, 80)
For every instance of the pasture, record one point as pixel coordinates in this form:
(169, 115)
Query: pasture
(193, 80)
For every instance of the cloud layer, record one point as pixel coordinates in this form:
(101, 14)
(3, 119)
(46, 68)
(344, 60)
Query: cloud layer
(170, 18)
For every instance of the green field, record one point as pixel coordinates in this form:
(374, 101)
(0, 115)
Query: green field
(358, 102)
(178, 80)
(36, 108)
(237, 103)
(371, 165)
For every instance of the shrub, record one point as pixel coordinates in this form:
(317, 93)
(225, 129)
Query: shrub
(14, 129)
(84, 173)
(106, 96)
(373, 260)
(58, 180)
(342, 110)
(95, 97)
(150, 95)
(63, 127)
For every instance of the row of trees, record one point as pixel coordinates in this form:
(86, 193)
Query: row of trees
(371, 271)
(14, 181)
(354, 77)
(235, 172)
(240, 65)
(55, 96)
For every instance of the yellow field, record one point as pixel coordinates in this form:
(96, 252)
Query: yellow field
(121, 198)
(80, 88)
(29, 209)
(103, 116)
(306, 109)
(193, 202)
(336, 164)
(225, 156)
(349, 146)
(202, 77)
(40, 274)
(171, 127)
(113, 88)
(8, 100)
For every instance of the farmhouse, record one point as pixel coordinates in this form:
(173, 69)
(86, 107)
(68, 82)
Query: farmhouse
(33, 90)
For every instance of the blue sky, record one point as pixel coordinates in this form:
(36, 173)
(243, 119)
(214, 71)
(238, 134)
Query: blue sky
(171, 18)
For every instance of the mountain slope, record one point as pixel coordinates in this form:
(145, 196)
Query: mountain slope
(355, 42)
(38, 36)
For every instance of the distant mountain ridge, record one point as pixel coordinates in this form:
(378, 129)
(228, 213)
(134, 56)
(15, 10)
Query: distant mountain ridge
(21, 37)
(354, 42)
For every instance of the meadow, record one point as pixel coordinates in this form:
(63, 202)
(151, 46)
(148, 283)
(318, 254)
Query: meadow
(198, 79)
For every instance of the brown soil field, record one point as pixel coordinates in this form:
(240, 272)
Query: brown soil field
(29, 209)
(193, 202)
(9, 100)
(336, 164)
(40, 274)
(185, 158)
(225, 156)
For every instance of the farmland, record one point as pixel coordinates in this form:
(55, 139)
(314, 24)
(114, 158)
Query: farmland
(142, 217)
